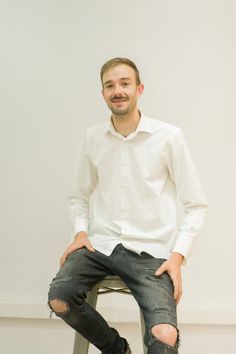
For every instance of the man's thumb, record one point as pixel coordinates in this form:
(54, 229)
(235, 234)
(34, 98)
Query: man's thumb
(160, 270)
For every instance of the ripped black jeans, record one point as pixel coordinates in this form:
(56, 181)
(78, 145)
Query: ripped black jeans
(154, 295)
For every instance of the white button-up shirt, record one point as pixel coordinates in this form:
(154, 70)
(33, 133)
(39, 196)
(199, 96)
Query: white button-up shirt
(129, 189)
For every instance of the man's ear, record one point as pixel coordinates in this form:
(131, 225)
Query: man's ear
(140, 89)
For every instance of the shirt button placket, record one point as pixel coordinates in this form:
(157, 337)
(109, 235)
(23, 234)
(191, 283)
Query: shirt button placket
(123, 184)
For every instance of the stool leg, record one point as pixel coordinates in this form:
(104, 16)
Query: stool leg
(81, 345)
(143, 328)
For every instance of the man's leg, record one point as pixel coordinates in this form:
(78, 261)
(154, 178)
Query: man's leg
(154, 296)
(82, 270)
(166, 339)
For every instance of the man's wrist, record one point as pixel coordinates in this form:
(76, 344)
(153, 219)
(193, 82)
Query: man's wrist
(79, 234)
(178, 257)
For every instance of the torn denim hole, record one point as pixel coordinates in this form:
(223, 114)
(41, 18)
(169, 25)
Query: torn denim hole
(59, 313)
(177, 344)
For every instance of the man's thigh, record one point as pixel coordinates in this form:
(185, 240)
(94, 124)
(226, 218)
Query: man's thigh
(82, 270)
(155, 295)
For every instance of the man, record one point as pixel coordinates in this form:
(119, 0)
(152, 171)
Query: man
(130, 174)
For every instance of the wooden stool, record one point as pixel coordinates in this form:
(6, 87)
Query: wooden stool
(108, 285)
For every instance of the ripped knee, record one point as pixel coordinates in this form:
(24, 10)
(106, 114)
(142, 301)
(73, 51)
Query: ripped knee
(59, 307)
(166, 334)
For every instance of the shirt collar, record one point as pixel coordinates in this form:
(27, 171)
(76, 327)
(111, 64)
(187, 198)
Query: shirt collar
(143, 126)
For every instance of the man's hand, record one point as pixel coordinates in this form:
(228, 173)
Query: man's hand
(173, 267)
(81, 240)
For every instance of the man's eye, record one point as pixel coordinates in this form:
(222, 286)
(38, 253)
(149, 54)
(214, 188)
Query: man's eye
(125, 84)
(109, 86)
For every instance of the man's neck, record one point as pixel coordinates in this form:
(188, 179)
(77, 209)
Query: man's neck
(126, 124)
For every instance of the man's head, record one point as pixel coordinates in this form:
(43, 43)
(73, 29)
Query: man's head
(121, 85)
(118, 61)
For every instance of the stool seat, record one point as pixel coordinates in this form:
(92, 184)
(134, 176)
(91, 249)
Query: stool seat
(110, 284)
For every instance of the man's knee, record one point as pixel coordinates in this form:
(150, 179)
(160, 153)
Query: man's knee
(165, 333)
(58, 306)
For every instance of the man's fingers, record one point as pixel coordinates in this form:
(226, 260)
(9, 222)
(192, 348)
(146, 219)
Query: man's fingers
(178, 295)
(73, 248)
(177, 283)
(89, 246)
(64, 256)
(160, 270)
(177, 289)
(63, 259)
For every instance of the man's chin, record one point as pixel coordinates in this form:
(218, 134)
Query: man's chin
(119, 112)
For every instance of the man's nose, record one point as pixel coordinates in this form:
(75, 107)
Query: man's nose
(117, 90)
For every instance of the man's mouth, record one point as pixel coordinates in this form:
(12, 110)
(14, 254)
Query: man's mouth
(118, 100)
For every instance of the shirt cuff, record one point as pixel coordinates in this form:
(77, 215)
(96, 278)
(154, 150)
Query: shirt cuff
(80, 225)
(184, 246)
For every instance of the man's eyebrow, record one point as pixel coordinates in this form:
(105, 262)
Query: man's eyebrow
(107, 82)
(122, 79)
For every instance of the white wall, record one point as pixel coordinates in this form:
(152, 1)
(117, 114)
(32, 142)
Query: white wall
(51, 54)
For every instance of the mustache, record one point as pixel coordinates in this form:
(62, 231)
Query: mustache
(118, 98)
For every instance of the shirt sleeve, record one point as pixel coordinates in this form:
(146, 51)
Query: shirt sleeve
(189, 192)
(83, 184)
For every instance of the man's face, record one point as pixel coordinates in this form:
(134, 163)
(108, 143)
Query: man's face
(120, 89)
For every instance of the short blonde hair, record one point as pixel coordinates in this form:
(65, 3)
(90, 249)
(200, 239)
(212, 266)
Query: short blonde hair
(117, 61)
